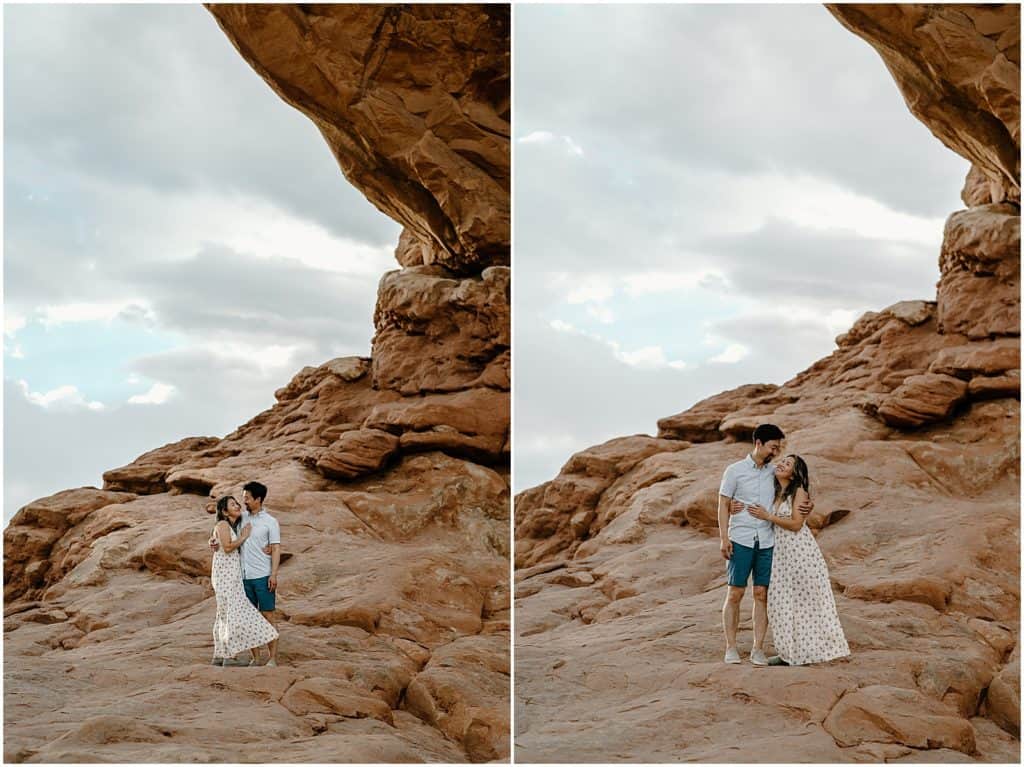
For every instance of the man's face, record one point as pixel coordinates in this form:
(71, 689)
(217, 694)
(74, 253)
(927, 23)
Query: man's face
(771, 449)
(249, 501)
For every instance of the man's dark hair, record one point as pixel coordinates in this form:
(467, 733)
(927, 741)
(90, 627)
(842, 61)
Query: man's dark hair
(222, 512)
(766, 432)
(256, 490)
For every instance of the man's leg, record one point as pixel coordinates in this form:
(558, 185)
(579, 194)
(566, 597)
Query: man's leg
(731, 614)
(738, 574)
(762, 578)
(271, 616)
(760, 616)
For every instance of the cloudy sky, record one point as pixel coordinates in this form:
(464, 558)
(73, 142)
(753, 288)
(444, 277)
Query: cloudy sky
(177, 241)
(705, 196)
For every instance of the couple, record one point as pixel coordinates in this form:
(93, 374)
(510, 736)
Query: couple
(246, 547)
(761, 513)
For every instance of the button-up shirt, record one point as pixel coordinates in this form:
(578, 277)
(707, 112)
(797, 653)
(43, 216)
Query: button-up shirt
(752, 485)
(265, 530)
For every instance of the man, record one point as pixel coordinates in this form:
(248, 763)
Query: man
(259, 569)
(747, 542)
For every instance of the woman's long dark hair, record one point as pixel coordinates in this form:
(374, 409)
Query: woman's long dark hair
(222, 511)
(800, 478)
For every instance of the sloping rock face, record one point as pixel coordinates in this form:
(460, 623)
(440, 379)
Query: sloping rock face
(911, 430)
(389, 474)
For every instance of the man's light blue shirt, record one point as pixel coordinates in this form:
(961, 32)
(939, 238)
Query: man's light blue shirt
(265, 530)
(745, 482)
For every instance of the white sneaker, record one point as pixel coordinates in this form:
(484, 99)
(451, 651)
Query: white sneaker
(273, 662)
(757, 657)
(732, 655)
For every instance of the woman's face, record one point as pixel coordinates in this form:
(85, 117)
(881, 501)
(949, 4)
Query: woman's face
(784, 468)
(234, 511)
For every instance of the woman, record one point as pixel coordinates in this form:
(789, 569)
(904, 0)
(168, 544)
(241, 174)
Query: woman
(801, 609)
(238, 626)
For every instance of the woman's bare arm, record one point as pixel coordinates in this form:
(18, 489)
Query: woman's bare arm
(224, 537)
(795, 522)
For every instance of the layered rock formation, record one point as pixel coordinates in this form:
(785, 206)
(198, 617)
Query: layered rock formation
(911, 429)
(388, 474)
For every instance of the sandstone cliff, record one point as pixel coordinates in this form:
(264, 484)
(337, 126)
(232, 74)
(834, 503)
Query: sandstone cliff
(911, 429)
(388, 474)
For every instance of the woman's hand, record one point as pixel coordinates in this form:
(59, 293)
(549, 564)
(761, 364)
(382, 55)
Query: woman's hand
(245, 532)
(735, 507)
(759, 512)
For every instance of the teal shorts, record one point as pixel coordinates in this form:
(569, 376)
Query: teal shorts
(745, 560)
(259, 593)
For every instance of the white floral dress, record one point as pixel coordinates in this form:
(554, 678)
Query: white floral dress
(801, 609)
(238, 625)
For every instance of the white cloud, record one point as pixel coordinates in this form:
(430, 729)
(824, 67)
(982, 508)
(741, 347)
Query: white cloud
(65, 397)
(822, 204)
(732, 353)
(572, 146)
(648, 356)
(537, 137)
(60, 314)
(158, 394)
(601, 313)
(645, 283)
(265, 358)
(594, 288)
(547, 137)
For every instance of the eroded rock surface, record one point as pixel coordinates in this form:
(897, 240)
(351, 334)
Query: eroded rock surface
(389, 474)
(911, 429)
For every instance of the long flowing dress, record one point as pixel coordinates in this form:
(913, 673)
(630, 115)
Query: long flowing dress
(238, 625)
(801, 609)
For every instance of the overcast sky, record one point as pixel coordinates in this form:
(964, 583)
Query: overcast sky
(705, 196)
(178, 242)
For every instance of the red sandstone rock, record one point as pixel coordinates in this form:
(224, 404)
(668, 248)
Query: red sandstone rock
(994, 387)
(922, 399)
(471, 422)
(148, 472)
(357, 452)
(979, 291)
(438, 333)
(438, 694)
(881, 714)
(700, 423)
(1003, 702)
(985, 359)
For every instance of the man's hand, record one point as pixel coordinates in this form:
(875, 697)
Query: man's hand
(726, 548)
(735, 507)
(214, 543)
(758, 512)
(272, 583)
(806, 507)
(267, 550)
